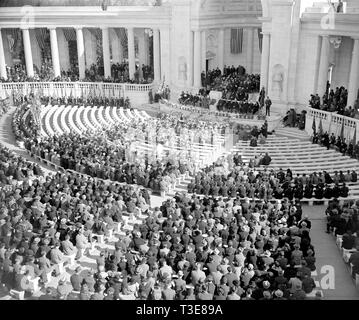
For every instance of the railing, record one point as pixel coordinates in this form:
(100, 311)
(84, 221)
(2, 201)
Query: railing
(75, 89)
(332, 123)
(97, 3)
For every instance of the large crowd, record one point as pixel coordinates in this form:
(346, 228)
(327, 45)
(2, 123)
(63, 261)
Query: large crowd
(114, 153)
(45, 73)
(223, 245)
(187, 249)
(234, 84)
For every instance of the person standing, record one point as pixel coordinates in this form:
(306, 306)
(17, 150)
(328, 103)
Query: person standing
(268, 104)
(262, 97)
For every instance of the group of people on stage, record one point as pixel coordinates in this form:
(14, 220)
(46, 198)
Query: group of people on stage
(241, 107)
(338, 143)
(233, 82)
(197, 100)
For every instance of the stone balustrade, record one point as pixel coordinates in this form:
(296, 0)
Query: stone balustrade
(137, 93)
(331, 122)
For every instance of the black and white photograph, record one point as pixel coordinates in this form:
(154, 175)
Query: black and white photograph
(192, 151)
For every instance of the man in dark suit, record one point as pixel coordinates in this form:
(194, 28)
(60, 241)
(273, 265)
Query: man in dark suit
(268, 104)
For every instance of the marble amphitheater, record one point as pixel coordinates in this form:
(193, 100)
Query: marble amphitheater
(129, 130)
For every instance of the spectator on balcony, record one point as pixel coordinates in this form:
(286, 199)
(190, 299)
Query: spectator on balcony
(340, 7)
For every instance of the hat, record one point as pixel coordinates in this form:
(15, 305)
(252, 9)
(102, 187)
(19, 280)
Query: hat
(266, 294)
(278, 293)
(267, 253)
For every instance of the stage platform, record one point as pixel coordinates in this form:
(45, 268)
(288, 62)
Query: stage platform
(156, 108)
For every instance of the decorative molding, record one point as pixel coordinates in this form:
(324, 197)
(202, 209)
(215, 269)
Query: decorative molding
(335, 41)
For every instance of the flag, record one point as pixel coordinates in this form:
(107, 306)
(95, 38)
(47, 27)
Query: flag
(236, 40)
(320, 128)
(354, 141)
(313, 126)
(342, 131)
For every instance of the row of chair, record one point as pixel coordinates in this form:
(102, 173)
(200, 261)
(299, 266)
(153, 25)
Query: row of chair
(346, 256)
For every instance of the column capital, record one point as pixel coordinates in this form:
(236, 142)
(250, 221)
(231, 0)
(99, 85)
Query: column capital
(105, 28)
(325, 36)
(78, 27)
(355, 38)
(51, 28)
(265, 33)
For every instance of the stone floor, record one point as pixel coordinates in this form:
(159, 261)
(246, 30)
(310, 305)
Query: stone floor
(329, 259)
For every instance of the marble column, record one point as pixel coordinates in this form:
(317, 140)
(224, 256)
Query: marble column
(28, 53)
(221, 49)
(156, 55)
(203, 50)
(106, 52)
(3, 73)
(80, 52)
(323, 66)
(190, 62)
(197, 59)
(55, 52)
(354, 75)
(249, 51)
(131, 52)
(165, 44)
(265, 60)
